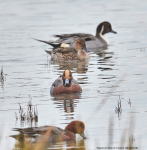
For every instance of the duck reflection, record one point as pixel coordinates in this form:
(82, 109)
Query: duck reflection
(73, 145)
(104, 58)
(100, 51)
(68, 106)
(106, 64)
(23, 143)
(81, 66)
(68, 102)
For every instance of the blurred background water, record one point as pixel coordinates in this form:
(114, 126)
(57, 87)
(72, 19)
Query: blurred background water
(28, 70)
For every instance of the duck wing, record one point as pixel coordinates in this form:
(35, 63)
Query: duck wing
(74, 82)
(63, 50)
(68, 39)
(57, 82)
(71, 38)
(38, 131)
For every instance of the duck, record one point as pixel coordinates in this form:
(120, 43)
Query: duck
(65, 84)
(99, 40)
(53, 133)
(79, 52)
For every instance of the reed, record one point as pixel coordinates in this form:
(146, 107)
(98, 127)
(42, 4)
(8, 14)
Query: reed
(27, 117)
(118, 109)
(2, 75)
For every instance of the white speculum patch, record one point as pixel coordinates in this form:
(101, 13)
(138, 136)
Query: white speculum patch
(64, 45)
(102, 36)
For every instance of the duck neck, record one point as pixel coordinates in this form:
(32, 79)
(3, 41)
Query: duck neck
(81, 54)
(70, 130)
(99, 34)
(67, 85)
(70, 134)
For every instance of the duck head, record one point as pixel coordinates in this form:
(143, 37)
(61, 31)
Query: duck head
(80, 45)
(77, 127)
(103, 28)
(67, 77)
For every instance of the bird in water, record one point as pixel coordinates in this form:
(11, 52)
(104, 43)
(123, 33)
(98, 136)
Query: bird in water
(99, 40)
(53, 133)
(79, 52)
(65, 84)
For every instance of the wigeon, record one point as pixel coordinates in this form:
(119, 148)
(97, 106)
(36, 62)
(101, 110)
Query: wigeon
(99, 40)
(79, 52)
(54, 134)
(65, 84)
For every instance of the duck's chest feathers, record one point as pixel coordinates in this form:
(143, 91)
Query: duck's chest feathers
(71, 89)
(82, 55)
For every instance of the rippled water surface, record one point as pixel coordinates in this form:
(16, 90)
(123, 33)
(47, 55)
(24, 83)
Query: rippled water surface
(28, 70)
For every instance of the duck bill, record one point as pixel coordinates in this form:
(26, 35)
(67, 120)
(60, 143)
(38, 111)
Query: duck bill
(85, 49)
(66, 82)
(83, 135)
(113, 32)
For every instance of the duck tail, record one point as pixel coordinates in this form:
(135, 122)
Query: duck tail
(47, 42)
(49, 52)
(57, 36)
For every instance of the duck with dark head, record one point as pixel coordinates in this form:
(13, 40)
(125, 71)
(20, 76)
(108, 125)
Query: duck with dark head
(65, 84)
(53, 133)
(99, 40)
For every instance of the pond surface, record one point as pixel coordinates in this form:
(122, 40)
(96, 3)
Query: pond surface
(117, 72)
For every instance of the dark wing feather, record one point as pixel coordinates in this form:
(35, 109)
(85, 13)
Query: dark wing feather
(70, 38)
(30, 132)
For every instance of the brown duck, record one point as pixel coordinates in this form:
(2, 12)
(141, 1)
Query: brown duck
(79, 52)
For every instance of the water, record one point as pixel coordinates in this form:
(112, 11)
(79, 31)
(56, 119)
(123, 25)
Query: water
(28, 70)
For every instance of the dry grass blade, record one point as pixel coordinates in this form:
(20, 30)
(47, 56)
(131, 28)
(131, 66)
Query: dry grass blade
(30, 116)
(118, 109)
(110, 131)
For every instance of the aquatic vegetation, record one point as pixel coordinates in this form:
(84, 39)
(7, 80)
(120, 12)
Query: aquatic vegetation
(2, 77)
(2, 74)
(129, 102)
(118, 109)
(28, 117)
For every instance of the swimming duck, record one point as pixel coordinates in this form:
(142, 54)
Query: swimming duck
(99, 40)
(54, 133)
(79, 52)
(65, 84)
